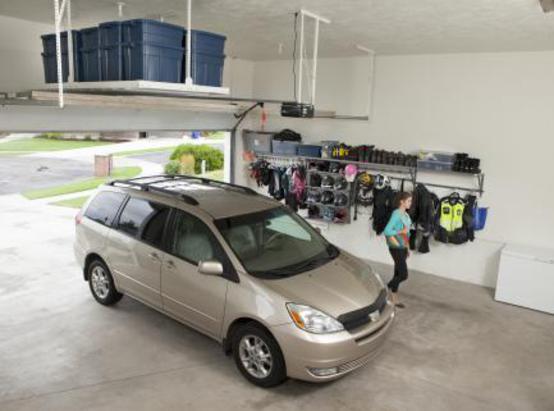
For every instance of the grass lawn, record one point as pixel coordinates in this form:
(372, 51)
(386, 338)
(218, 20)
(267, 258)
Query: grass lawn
(76, 202)
(46, 144)
(82, 185)
(143, 151)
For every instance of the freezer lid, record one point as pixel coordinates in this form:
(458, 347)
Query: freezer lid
(545, 255)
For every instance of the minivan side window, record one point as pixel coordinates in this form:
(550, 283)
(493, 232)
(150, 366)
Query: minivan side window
(136, 213)
(192, 240)
(104, 207)
(154, 229)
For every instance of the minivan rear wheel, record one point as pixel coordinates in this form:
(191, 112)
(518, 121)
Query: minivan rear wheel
(101, 283)
(258, 356)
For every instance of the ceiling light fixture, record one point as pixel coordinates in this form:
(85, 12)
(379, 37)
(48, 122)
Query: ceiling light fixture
(547, 5)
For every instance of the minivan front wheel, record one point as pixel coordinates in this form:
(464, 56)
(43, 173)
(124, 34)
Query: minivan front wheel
(101, 283)
(258, 356)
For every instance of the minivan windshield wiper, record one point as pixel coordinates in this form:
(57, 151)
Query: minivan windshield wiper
(331, 253)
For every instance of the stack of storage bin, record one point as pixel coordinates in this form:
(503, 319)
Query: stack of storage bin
(152, 50)
(89, 55)
(139, 49)
(207, 58)
(49, 57)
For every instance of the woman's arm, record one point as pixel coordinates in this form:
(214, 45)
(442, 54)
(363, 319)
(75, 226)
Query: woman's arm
(391, 228)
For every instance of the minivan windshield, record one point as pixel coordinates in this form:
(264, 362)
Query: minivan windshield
(276, 243)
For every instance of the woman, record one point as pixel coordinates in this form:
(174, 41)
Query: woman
(397, 233)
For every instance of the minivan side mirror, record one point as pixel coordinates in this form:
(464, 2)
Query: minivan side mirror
(210, 268)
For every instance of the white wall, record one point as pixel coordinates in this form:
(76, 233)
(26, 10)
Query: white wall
(20, 59)
(495, 106)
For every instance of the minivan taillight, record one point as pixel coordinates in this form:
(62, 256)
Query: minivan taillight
(78, 218)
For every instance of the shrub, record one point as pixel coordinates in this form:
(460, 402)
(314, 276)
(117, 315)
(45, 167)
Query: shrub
(51, 136)
(173, 167)
(212, 156)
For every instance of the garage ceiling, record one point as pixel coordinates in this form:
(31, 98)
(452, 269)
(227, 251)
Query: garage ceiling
(256, 27)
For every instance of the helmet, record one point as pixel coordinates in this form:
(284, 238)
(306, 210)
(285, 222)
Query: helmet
(328, 213)
(315, 180)
(327, 182)
(313, 197)
(334, 167)
(327, 197)
(350, 172)
(341, 216)
(341, 200)
(340, 183)
(365, 180)
(313, 212)
(365, 197)
(381, 181)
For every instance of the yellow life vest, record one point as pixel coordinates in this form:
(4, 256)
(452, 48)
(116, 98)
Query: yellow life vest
(451, 215)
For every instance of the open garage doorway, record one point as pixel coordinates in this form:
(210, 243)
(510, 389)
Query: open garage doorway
(65, 168)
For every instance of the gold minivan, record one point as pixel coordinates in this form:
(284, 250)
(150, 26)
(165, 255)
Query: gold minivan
(238, 267)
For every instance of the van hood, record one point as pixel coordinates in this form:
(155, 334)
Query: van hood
(338, 287)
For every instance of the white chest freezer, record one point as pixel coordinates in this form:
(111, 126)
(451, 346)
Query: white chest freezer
(526, 277)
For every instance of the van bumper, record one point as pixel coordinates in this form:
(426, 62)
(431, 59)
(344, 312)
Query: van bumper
(325, 357)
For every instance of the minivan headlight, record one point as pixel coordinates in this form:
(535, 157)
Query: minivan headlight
(312, 320)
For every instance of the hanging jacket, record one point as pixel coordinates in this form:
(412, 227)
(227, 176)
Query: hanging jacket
(471, 202)
(383, 206)
(422, 212)
(450, 227)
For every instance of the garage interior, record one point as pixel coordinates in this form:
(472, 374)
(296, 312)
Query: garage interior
(413, 77)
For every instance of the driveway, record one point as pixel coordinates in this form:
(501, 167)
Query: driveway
(22, 173)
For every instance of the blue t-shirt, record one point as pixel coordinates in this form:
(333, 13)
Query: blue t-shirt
(398, 221)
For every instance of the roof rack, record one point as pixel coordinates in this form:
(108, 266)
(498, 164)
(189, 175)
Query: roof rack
(150, 188)
(202, 180)
(163, 178)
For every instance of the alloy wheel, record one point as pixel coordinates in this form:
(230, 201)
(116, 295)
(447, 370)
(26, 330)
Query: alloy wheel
(100, 282)
(255, 356)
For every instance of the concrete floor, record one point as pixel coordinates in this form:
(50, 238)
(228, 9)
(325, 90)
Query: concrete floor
(453, 348)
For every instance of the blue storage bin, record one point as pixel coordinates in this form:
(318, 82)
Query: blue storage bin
(207, 58)
(49, 57)
(90, 38)
(287, 148)
(110, 34)
(111, 60)
(90, 64)
(309, 150)
(479, 217)
(152, 31)
(89, 54)
(206, 42)
(207, 69)
(147, 61)
(434, 165)
(111, 63)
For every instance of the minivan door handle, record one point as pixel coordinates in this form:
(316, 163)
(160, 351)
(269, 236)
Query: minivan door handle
(170, 264)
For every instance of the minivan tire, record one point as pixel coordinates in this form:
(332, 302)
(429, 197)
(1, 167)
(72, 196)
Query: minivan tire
(107, 294)
(253, 331)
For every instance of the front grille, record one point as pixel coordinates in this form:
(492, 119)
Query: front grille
(357, 318)
(352, 365)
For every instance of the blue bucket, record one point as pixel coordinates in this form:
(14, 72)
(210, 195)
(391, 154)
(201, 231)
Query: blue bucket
(479, 217)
